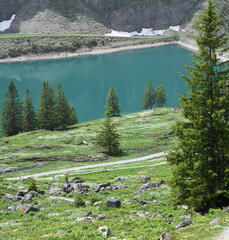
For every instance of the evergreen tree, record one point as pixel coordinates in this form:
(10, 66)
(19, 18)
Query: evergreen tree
(201, 160)
(46, 108)
(11, 120)
(29, 115)
(112, 103)
(160, 96)
(148, 99)
(73, 119)
(108, 137)
(61, 109)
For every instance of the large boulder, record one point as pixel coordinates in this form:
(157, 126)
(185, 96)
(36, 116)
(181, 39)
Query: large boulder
(113, 202)
(76, 180)
(148, 185)
(183, 224)
(27, 208)
(10, 196)
(55, 190)
(105, 231)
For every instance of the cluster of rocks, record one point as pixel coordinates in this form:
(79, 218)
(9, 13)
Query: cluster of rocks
(24, 196)
(108, 186)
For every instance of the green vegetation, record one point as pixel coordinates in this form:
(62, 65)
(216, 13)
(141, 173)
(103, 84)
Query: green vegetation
(29, 121)
(112, 103)
(11, 112)
(160, 96)
(108, 138)
(149, 98)
(201, 159)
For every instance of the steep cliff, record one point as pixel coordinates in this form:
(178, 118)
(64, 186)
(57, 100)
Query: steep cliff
(98, 16)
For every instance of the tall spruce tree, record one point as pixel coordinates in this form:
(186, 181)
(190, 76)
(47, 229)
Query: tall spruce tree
(29, 121)
(112, 103)
(148, 99)
(108, 138)
(201, 159)
(45, 113)
(61, 109)
(160, 96)
(11, 119)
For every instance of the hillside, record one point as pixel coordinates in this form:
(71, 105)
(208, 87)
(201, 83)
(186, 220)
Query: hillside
(58, 16)
(142, 208)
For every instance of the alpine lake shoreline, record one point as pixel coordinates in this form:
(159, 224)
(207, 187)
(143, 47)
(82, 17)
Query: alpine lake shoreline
(81, 210)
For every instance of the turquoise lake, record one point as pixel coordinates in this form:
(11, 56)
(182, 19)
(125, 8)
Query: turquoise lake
(86, 80)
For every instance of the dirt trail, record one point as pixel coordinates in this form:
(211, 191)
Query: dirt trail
(37, 175)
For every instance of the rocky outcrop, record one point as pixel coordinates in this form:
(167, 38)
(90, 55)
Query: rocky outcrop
(9, 7)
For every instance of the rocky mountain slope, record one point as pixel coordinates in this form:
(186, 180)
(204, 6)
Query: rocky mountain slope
(98, 16)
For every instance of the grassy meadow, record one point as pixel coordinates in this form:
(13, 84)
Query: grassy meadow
(142, 134)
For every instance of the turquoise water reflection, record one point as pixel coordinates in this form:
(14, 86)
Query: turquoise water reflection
(87, 79)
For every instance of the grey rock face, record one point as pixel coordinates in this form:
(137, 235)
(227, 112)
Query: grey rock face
(55, 191)
(215, 220)
(27, 197)
(113, 202)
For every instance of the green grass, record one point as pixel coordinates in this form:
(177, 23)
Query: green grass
(141, 133)
(123, 222)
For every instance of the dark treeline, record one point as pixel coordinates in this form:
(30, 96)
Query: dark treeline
(54, 111)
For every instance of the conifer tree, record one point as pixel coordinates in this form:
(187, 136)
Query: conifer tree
(45, 113)
(108, 138)
(201, 159)
(112, 103)
(148, 99)
(160, 96)
(61, 109)
(11, 119)
(73, 118)
(29, 115)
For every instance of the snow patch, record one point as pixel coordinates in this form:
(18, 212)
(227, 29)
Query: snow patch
(144, 32)
(6, 24)
(175, 28)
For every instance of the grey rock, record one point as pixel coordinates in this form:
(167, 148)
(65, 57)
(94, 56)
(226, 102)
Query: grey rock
(11, 209)
(165, 236)
(76, 180)
(101, 216)
(113, 202)
(55, 190)
(215, 220)
(42, 192)
(105, 231)
(146, 179)
(28, 208)
(10, 196)
(121, 179)
(140, 214)
(21, 193)
(79, 219)
(89, 213)
(27, 198)
(102, 185)
(98, 203)
(143, 202)
(148, 185)
(183, 224)
(67, 188)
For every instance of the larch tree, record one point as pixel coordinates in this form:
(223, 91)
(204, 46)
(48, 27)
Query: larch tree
(112, 103)
(11, 119)
(29, 121)
(45, 113)
(149, 98)
(108, 138)
(160, 96)
(201, 159)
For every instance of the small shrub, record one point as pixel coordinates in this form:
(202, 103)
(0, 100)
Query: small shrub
(32, 185)
(79, 202)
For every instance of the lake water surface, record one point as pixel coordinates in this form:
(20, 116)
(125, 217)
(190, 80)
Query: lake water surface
(87, 79)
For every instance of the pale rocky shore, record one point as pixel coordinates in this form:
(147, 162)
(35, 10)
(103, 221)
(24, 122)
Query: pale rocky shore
(183, 42)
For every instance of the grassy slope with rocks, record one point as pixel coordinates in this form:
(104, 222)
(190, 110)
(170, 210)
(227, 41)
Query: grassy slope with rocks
(142, 134)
